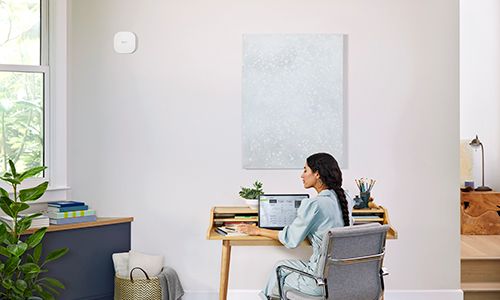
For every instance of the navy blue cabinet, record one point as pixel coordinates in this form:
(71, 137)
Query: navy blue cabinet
(87, 269)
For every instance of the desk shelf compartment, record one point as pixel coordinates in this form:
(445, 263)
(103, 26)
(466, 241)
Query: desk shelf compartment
(361, 216)
(218, 223)
(220, 215)
(223, 215)
(370, 215)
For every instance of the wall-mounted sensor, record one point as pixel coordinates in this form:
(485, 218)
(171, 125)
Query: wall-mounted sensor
(125, 42)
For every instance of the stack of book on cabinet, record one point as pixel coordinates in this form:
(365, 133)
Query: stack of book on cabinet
(37, 222)
(69, 212)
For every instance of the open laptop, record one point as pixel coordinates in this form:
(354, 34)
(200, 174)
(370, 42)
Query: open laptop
(278, 210)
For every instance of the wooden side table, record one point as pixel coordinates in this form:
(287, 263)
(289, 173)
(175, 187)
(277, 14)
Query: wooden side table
(480, 213)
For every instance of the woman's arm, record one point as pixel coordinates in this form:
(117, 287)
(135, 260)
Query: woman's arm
(254, 230)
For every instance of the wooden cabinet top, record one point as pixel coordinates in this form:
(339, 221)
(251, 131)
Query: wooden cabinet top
(99, 222)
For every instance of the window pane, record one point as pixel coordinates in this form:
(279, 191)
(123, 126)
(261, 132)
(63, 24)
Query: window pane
(21, 119)
(20, 32)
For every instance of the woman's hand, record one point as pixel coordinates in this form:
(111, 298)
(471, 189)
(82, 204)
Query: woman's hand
(248, 229)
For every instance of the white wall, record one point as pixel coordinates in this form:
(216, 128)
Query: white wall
(480, 84)
(156, 134)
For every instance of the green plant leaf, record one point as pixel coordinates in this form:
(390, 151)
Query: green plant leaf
(34, 193)
(11, 264)
(15, 294)
(4, 193)
(37, 252)
(30, 268)
(30, 278)
(12, 168)
(29, 218)
(50, 288)
(252, 193)
(21, 285)
(11, 180)
(35, 239)
(17, 207)
(23, 225)
(31, 172)
(7, 174)
(46, 295)
(5, 252)
(6, 200)
(17, 250)
(7, 283)
(53, 282)
(29, 258)
(5, 203)
(55, 254)
(4, 231)
(5, 225)
(11, 239)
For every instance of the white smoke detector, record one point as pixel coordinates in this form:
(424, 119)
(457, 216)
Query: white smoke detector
(125, 42)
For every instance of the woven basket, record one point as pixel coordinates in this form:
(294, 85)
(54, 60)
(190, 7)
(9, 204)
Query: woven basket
(137, 289)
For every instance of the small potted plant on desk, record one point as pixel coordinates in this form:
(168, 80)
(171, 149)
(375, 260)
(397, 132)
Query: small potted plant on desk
(21, 264)
(251, 195)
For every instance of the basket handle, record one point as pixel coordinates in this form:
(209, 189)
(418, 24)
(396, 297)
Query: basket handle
(132, 279)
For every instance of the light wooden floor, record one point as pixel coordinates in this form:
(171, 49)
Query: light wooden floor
(480, 246)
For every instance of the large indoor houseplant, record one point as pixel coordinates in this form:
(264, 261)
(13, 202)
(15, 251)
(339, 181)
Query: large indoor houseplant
(21, 263)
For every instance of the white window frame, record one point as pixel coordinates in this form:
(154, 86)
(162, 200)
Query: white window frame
(53, 64)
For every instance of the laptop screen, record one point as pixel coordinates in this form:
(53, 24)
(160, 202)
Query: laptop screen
(278, 210)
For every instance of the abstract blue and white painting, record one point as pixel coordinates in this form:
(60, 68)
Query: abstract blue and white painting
(292, 99)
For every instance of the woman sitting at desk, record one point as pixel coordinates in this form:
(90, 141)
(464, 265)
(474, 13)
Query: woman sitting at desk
(315, 217)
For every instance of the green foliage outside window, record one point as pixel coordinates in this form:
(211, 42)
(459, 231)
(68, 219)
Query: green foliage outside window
(21, 120)
(21, 91)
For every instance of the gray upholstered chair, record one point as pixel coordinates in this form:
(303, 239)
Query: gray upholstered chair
(350, 267)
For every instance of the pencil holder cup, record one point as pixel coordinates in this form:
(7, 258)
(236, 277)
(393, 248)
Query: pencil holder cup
(365, 197)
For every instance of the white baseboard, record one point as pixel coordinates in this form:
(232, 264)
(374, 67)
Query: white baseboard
(231, 295)
(389, 295)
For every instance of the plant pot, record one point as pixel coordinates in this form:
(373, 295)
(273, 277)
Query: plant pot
(252, 203)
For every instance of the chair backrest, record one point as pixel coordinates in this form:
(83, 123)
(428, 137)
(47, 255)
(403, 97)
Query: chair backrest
(352, 260)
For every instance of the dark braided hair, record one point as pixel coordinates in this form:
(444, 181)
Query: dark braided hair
(329, 172)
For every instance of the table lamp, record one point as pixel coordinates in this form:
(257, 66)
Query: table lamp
(476, 143)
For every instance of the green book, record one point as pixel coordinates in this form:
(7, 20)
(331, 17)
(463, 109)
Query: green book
(70, 214)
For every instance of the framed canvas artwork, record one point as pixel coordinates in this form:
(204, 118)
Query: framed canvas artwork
(293, 99)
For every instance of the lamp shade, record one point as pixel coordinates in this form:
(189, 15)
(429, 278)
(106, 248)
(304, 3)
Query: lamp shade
(475, 142)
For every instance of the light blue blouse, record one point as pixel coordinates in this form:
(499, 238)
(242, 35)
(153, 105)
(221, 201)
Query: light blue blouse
(315, 217)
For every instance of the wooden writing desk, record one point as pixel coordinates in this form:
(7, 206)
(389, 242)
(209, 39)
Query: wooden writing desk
(219, 215)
